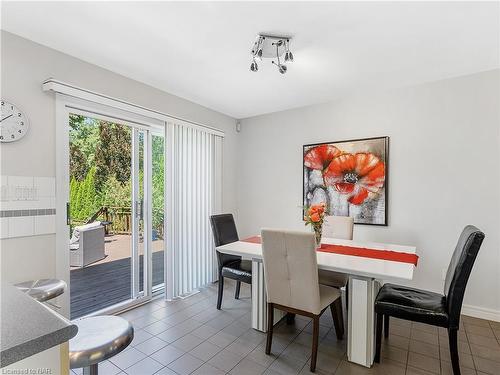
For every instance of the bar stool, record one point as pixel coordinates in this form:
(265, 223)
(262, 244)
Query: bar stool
(43, 290)
(98, 338)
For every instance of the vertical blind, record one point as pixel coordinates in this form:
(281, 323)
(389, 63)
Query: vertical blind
(192, 194)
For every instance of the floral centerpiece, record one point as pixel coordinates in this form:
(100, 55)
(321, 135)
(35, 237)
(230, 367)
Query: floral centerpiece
(315, 215)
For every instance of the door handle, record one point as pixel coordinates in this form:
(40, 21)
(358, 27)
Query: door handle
(68, 214)
(139, 209)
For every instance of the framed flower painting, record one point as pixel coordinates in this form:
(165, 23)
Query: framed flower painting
(350, 177)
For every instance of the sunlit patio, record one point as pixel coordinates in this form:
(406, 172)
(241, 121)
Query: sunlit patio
(108, 281)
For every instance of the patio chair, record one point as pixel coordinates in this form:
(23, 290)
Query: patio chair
(87, 245)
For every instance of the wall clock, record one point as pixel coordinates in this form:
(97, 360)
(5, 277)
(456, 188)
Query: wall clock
(14, 123)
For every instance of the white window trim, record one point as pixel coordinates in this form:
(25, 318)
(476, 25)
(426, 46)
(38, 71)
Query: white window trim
(70, 90)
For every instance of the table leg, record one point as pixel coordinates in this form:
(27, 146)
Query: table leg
(91, 370)
(361, 320)
(259, 298)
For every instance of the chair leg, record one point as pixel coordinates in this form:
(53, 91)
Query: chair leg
(290, 318)
(338, 319)
(378, 337)
(386, 326)
(237, 291)
(314, 353)
(347, 296)
(453, 340)
(221, 290)
(270, 325)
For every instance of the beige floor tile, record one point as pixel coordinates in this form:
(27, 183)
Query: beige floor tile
(424, 362)
(463, 346)
(426, 337)
(486, 352)
(490, 342)
(286, 365)
(397, 341)
(425, 327)
(469, 320)
(348, 368)
(400, 322)
(400, 330)
(465, 359)
(387, 367)
(478, 330)
(394, 353)
(487, 366)
(326, 363)
(416, 371)
(259, 355)
(446, 369)
(443, 334)
(424, 348)
(248, 367)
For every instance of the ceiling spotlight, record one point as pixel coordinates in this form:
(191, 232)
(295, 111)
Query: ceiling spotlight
(269, 46)
(281, 67)
(258, 55)
(288, 53)
(253, 66)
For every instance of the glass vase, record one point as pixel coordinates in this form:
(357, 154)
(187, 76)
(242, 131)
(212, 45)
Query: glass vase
(318, 232)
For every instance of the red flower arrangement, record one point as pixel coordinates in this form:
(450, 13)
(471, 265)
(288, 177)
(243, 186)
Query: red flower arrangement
(314, 216)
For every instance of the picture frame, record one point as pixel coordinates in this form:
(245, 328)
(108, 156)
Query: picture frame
(350, 177)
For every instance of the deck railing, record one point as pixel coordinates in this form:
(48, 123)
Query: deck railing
(120, 219)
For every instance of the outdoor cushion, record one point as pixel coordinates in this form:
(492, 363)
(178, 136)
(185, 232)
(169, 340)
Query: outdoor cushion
(75, 237)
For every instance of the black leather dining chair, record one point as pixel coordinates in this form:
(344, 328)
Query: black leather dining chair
(230, 266)
(442, 310)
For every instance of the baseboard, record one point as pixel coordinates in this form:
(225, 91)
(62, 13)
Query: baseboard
(481, 312)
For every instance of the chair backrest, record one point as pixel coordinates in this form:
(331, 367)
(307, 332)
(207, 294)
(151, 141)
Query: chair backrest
(291, 269)
(338, 227)
(459, 271)
(224, 231)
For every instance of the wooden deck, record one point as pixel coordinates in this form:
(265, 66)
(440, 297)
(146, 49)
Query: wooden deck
(104, 284)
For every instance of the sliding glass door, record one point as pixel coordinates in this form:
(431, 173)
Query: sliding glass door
(116, 213)
(158, 210)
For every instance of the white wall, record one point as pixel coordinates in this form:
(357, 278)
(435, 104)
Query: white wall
(25, 65)
(443, 171)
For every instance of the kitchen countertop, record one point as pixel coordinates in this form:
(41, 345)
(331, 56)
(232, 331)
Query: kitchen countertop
(28, 327)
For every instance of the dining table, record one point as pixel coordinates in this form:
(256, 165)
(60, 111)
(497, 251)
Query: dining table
(367, 264)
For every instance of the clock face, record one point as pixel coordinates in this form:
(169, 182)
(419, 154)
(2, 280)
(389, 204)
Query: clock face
(13, 122)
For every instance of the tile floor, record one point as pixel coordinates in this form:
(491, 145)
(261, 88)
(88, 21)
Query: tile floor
(191, 337)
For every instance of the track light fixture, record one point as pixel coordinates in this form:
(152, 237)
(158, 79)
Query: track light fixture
(270, 46)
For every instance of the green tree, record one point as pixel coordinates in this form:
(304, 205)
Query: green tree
(158, 167)
(113, 154)
(84, 138)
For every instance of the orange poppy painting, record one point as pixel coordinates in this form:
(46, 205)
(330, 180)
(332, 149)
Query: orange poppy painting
(349, 177)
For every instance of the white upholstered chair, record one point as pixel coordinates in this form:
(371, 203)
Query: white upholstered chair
(340, 227)
(292, 284)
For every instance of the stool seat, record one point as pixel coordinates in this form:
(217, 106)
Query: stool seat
(98, 338)
(43, 289)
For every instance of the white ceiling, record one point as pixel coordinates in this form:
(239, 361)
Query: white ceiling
(200, 51)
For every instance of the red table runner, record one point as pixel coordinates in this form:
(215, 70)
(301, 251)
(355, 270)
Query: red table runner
(394, 256)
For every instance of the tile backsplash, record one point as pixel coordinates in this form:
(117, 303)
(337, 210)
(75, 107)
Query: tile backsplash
(27, 206)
